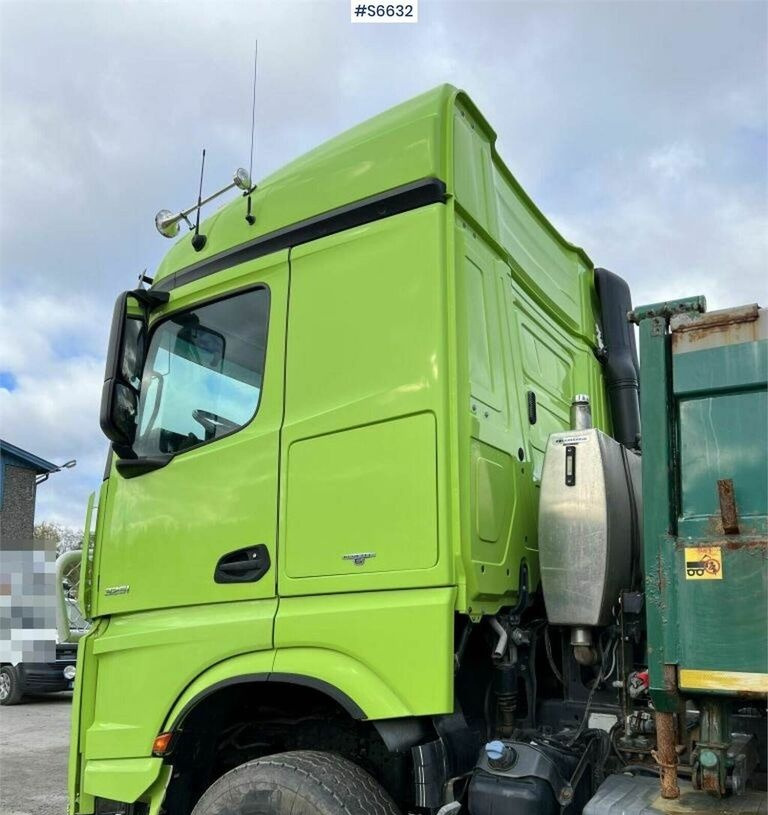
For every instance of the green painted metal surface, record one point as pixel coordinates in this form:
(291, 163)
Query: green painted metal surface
(366, 412)
(165, 531)
(144, 661)
(86, 562)
(723, 434)
(124, 779)
(668, 308)
(656, 410)
(393, 656)
(393, 424)
(723, 412)
(705, 431)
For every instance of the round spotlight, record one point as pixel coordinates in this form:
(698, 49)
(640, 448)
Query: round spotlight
(69, 672)
(242, 180)
(167, 223)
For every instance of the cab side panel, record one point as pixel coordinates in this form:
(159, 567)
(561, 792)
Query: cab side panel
(364, 442)
(526, 319)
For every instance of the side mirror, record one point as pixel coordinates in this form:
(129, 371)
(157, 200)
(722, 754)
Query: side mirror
(200, 345)
(125, 361)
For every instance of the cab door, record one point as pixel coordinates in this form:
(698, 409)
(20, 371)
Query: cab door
(202, 528)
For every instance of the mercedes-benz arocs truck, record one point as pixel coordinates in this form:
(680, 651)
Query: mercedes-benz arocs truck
(371, 537)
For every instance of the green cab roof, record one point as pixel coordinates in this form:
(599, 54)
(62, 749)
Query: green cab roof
(439, 134)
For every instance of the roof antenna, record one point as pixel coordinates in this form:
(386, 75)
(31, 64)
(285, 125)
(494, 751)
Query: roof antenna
(198, 240)
(248, 216)
(144, 278)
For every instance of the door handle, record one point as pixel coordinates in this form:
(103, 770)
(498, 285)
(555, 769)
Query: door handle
(243, 565)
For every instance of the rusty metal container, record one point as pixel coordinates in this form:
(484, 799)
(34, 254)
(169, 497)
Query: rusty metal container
(704, 404)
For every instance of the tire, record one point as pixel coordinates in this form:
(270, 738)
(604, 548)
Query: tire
(304, 782)
(11, 690)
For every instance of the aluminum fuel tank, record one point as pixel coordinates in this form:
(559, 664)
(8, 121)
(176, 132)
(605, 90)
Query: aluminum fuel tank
(589, 533)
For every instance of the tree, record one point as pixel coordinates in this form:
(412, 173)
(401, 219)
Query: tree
(65, 538)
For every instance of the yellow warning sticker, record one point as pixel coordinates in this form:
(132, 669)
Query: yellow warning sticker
(703, 563)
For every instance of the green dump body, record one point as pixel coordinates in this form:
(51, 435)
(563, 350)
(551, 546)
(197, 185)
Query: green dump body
(705, 434)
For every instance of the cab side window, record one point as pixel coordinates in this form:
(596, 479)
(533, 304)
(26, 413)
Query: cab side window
(203, 374)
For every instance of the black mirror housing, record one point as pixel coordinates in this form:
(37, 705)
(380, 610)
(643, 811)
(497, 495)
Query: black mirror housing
(125, 361)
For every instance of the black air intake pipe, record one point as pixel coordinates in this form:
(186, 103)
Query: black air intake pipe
(622, 371)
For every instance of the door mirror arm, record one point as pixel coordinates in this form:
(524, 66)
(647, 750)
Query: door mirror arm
(151, 299)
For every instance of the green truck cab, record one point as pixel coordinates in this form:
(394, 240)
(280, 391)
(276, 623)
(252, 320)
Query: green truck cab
(316, 543)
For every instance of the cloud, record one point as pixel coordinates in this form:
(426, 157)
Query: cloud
(675, 161)
(53, 350)
(639, 128)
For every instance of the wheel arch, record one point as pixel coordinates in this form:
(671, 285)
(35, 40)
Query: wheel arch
(279, 710)
(184, 708)
(342, 678)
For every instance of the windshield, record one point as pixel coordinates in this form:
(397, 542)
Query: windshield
(203, 374)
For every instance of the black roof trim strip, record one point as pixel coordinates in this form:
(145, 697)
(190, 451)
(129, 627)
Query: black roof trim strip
(382, 205)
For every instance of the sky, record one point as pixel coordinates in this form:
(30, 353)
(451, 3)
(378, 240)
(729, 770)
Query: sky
(640, 129)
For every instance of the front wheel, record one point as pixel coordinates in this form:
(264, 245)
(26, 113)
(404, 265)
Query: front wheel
(304, 782)
(11, 689)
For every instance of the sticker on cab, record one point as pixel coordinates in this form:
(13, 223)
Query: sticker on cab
(703, 563)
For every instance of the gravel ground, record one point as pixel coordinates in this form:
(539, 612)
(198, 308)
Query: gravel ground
(34, 743)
